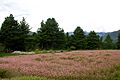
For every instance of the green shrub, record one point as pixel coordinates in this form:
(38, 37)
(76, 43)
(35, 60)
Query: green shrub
(72, 47)
(7, 54)
(37, 51)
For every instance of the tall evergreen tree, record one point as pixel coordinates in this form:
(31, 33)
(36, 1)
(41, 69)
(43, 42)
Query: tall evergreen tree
(23, 33)
(24, 28)
(93, 41)
(50, 36)
(108, 44)
(80, 39)
(8, 32)
(72, 42)
(12, 34)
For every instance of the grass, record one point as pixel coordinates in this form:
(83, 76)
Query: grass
(107, 74)
(7, 74)
(104, 74)
(30, 78)
(115, 75)
(37, 51)
(86, 65)
(7, 54)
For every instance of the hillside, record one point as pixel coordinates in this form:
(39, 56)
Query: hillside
(113, 34)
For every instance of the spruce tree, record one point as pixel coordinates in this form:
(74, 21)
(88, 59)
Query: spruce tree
(80, 39)
(8, 32)
(13, 34)
(93, 41)
(108, 44)
(50, 36)
(24, 34)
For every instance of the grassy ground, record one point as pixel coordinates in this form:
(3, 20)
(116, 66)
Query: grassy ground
(30, 78)
(109, 74)
(7, 54)
(75, 65)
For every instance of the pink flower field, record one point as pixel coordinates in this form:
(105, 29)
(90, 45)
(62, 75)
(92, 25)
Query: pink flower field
(74, 63)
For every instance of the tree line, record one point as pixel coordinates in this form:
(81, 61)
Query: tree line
(17, 36)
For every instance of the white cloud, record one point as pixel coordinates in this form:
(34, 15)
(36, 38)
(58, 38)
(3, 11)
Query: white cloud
(98, 15)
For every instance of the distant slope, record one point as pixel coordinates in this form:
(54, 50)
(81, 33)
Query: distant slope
(101, 34)
(86, 33)
(70, 33)
(113, 34)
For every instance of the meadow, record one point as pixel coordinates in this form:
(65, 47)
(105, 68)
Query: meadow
(73, 65)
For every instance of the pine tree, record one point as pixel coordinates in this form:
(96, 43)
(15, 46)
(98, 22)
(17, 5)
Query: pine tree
(23, 33)
(72, 42)
(93, 41)
(108, 44)
(80, 39)
(24, 27)
(50, 36)
(8, 32)
(12, 34)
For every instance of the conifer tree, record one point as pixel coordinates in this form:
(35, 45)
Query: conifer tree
(12, 34)
(93, 41)
(80, 39)
(50, 36)
(108, 44)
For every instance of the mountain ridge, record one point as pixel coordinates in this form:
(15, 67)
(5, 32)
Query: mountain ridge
(113, 34)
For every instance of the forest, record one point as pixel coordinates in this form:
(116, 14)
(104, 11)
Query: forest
(16, 36)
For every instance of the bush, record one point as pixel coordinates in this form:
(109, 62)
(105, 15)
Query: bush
(72, 47)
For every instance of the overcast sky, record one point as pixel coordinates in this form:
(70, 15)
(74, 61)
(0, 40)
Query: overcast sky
(98, 15)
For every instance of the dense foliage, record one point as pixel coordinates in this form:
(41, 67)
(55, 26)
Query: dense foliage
(108, 44)
(50, 36)
(118, 41)
(80, 39)
(93, 41)
(13, 34)
(17, 36)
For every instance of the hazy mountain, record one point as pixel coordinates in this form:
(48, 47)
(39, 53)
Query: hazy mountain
(113, 34)
(86, 33)
(101, 34)
(70, 33)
